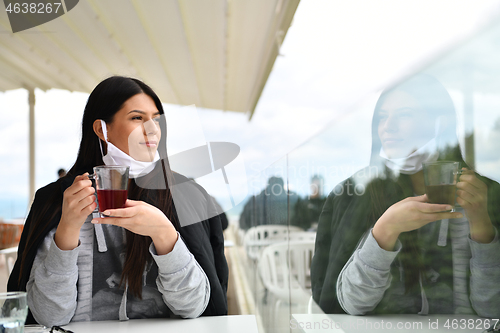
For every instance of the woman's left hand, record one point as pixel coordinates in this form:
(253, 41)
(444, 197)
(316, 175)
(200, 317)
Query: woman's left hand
(472, 195)
(143, 219)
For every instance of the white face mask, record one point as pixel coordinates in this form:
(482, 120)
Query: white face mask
(115, 156)
(412, 163)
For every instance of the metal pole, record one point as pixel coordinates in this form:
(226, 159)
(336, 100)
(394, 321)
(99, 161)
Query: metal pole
(31, 101)
(468, 94)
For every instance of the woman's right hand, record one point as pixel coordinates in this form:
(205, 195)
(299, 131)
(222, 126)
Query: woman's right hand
(78, 203)
(406, 215)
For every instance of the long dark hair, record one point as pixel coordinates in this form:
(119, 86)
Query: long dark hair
(435, 100)
(103, 103)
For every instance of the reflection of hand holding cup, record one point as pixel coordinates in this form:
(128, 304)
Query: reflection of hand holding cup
(441, 182)
(111, 185)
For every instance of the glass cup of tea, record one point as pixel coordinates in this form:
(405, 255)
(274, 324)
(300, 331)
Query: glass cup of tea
(13, 311)
(111, 184)
(441, 182)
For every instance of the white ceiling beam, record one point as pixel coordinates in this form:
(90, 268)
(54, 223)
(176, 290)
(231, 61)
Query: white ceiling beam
(247, 42)
(55, 54)
(18, 62)
(96, 38)
(166, 30)
(32, 55)
(134, 41)
(205, 28)
(8, 84)
(214, 54)
(284, 12)
(13, 67)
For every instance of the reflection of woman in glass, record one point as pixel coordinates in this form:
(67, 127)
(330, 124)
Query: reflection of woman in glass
(388, 250)
(140, 263)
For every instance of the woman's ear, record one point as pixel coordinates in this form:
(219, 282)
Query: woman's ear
(97, 126)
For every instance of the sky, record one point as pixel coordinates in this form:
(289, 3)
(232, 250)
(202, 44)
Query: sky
(336, 58)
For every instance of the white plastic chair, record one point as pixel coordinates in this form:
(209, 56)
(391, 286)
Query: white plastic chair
(256, 238)
(301, 236)
(285, 270)
(10, 258)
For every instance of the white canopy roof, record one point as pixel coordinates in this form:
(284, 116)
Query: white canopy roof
(211, 53)
(214, 54)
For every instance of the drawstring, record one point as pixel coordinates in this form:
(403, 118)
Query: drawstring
(102, 247)
(101, 241)
(461, 254)
(99, 233)
(123, 305)
(443, 233)
(425, 303)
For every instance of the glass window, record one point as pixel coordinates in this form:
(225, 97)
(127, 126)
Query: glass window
(393, 208)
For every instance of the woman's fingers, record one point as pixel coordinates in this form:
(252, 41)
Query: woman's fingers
(83, 195)
(433, 208)
(143, 219)
(464, 197)
(80, 177)
(121, 212)
(89, 208)
(469, 177)
(118, 221)
(471, 201)
(84, 202)
(132, 203)
(78, 203)
(443, 216)
(413, 213)
(129, 210)
(436, 212)
(419, 198)
(79, 183)
(80, 194)
(470, 188)
(81, 188)
(462, 202)
(472, 193)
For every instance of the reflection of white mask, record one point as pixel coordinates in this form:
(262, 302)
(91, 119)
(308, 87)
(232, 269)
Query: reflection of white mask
(115, 156)
(412, 163)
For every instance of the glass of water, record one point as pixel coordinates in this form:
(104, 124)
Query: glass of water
(14, 309)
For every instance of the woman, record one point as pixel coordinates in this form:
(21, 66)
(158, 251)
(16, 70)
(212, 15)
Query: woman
(382, 251)
(140, 263)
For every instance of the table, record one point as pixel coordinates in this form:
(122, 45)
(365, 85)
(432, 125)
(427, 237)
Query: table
(219, 324)
(342, 323)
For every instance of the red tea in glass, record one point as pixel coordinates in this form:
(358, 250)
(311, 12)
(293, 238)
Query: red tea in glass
(111, 199)
(441, 194)
(441, 182)
(111, 184)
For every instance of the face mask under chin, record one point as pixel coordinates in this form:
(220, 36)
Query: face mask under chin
(412, 163)
(115, 156)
